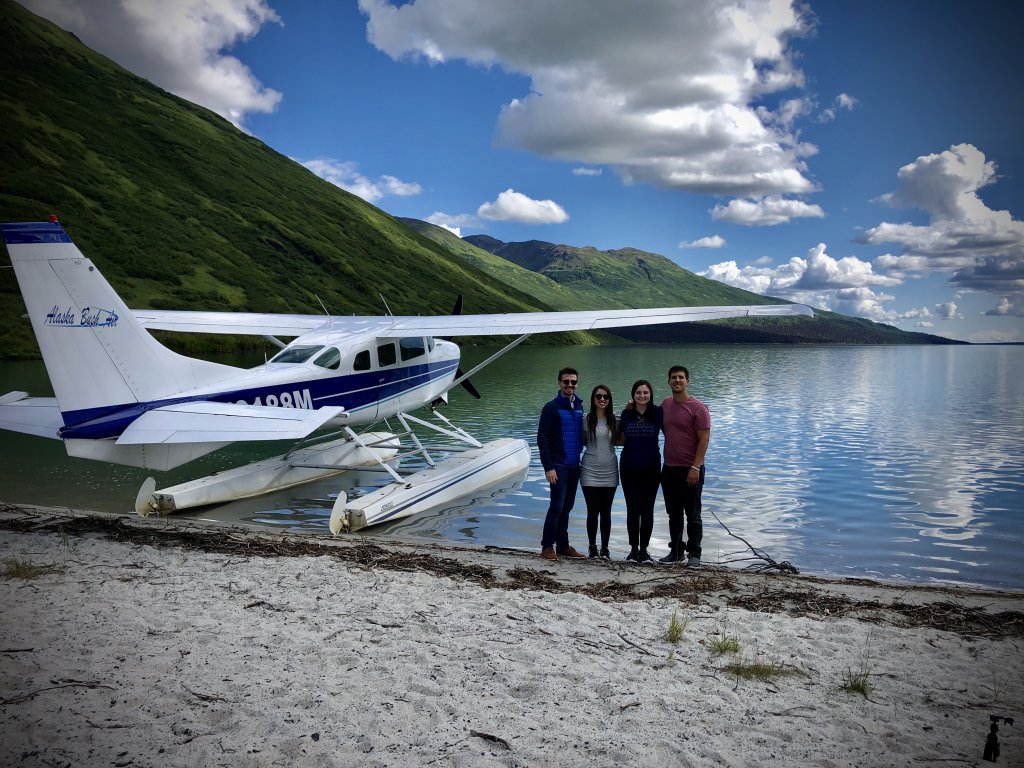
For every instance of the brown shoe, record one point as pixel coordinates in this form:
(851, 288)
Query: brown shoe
(570, 552)
(549, 554)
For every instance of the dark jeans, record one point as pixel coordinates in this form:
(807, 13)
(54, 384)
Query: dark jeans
(682, 503)
(563, 496)
(640, 487)
(599, 507)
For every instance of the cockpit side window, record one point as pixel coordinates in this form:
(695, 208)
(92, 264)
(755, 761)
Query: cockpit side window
(411, 348)
(362, 361)
(299, 354)
(430, 343)
(330, 359)
(386, 355)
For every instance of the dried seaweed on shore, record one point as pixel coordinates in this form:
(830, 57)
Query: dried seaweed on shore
(945, 616)
(691, 587)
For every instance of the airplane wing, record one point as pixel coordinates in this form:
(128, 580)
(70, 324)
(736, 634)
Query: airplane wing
(242, 323)
(207, 422)
(449, 325)
(31, 415)
(584, 320)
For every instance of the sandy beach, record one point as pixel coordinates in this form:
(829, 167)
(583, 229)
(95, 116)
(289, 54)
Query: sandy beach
(157, 642)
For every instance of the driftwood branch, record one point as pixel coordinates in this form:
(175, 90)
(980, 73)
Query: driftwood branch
(768, 563)
(491, 737)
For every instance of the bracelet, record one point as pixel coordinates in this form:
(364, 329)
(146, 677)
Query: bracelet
(697, 468)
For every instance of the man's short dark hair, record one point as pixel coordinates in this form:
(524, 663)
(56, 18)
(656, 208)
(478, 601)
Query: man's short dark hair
(676, 369)
(576, 373)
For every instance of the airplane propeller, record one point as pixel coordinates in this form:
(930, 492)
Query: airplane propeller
(467, 384)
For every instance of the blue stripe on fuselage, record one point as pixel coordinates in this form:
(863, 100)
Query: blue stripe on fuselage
(355, 392)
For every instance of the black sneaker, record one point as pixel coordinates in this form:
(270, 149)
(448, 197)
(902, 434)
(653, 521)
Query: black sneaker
(645, 557)
(633, 556)
(672, 557)
(604, 554)
(593, 550)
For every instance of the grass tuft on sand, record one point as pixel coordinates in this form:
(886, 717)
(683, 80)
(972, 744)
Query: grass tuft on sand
(24, 568)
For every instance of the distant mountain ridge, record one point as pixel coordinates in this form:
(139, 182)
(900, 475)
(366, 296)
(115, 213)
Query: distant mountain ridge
(567, 276)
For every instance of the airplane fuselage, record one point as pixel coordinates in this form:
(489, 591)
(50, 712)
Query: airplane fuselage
(370, 377)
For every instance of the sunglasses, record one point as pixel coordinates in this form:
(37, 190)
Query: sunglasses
(600, 396)
(569, 382)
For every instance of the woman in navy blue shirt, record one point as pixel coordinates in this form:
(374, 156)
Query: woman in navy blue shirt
(640, 468)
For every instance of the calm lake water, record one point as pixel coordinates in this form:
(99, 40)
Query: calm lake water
(902, 463)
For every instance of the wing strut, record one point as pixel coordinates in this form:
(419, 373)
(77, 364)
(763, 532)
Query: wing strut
(489, 360)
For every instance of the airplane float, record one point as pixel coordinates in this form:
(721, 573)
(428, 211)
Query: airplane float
(123, 397)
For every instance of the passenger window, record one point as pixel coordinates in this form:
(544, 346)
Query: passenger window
(330, 359)
(362, 361)
(386, 355)
(411, 348)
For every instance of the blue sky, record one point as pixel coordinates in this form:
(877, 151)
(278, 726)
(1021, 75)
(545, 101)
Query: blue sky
(860, 157)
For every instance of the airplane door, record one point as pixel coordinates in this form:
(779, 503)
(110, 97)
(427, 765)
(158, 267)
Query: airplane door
(368, 386)
(385, 383)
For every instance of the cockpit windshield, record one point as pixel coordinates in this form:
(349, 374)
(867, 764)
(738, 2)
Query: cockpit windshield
(299, 354)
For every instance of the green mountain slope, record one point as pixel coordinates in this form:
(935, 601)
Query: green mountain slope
(629, 276)
(540, 286)
(566, 277)
(183, 211)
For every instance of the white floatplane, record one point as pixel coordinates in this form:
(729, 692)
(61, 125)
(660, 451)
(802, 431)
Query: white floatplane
(122, 397)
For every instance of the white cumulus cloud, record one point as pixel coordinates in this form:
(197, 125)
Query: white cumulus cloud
(347, 176)
(766, 211)
(1011, 306)
(714, 241)
(665, 92)
(515, 206)
(982, 248)
(842, 101)
(180, 45)
(453, 223)
(844, 285)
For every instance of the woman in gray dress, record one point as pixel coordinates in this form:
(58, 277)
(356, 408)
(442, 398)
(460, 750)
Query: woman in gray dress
(599, 470)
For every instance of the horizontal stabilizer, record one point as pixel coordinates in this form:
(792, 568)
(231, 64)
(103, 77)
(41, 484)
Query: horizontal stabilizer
(31, 415)
(204, 421)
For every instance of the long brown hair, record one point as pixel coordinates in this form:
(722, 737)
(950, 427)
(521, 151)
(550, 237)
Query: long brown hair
(609, 415)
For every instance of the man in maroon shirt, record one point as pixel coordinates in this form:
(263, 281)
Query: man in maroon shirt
(687, 427)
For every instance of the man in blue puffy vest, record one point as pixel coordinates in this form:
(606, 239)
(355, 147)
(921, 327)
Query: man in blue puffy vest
(560, 442)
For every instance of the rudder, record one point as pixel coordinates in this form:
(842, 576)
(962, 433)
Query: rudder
(97, 355)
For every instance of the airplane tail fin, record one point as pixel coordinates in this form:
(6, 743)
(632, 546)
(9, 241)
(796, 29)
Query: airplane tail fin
(97, 355)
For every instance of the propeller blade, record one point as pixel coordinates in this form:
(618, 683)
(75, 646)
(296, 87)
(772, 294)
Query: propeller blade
(467, 384)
